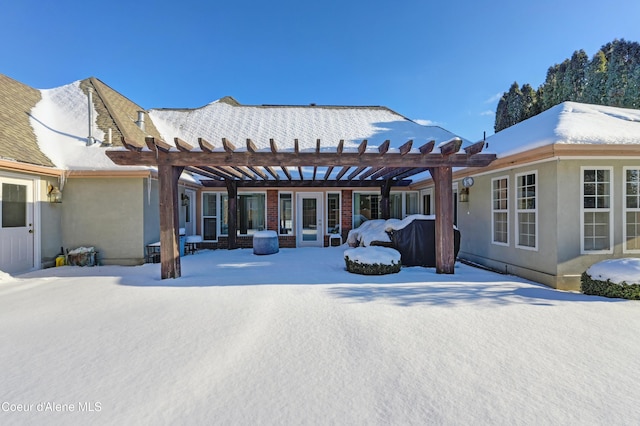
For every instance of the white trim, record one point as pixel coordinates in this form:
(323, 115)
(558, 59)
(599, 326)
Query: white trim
(534, 211)
(293, 213)
(507, 211)
(217, 216)
(423, 193)
(339, 193)
(625, 209)
(319, 197)
(595, 209)
(37, 221)
(35, 214)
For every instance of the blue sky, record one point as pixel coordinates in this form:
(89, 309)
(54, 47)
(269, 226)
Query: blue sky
(442, 61)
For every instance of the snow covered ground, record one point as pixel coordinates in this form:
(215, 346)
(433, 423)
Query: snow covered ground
(292, 338)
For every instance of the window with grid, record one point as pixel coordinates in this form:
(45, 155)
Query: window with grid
(210, 216)
(500, 210)
(526, 210)
(285, 213)
(596, 210)
(632, 210)
(333, 213)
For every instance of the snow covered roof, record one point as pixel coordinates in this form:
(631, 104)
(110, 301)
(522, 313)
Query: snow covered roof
(569, 123)
(60, 121)
(225, 118)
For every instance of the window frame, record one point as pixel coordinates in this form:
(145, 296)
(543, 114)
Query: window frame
(626, 209)
(293, 215)
(518, 210)
(506, 211)
(584, 210)
(238, 206)
(217, 217)
(326, 198)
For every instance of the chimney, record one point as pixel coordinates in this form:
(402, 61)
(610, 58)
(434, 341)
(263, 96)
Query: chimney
(90, 139)
(140, 122)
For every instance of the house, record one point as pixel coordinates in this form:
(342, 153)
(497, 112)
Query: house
(62, 141)
(52, 144)
(563, 194)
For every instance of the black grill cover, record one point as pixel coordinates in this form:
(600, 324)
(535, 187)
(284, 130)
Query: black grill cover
(417, 243)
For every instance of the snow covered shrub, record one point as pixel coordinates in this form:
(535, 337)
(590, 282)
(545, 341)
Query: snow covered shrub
(607, 288)
(618, 278)
(372, 260)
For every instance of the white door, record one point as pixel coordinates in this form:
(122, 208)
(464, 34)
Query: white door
(16, 225)
(190, 213)
(309, 229)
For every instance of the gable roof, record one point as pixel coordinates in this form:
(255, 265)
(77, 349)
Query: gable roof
(226, 118)
(58, 123)
(17, 140)
(569, 123)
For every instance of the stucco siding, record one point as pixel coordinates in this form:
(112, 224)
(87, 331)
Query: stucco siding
(50, 219)
(475, 224)
(571, 262)
(151, 211)
(105, 213)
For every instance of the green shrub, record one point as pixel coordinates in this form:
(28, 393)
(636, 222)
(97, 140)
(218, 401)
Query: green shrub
(371, 268)
(609, 289)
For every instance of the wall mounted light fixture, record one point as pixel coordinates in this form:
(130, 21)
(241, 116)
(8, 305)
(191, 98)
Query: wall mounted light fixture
(54, 194)
(185, 200)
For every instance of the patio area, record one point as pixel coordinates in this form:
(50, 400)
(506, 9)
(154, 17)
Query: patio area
(294, 338)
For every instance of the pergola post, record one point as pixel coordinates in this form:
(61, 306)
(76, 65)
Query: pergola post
(385, 202)
(232, 209)
(445, 251)
(168, 177)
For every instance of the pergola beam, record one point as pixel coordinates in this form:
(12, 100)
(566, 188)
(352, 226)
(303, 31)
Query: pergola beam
(303, 159)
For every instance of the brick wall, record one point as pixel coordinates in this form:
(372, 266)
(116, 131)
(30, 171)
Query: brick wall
(346, 212)
(272, 210)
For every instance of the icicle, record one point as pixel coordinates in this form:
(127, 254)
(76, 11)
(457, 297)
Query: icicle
(149, 189)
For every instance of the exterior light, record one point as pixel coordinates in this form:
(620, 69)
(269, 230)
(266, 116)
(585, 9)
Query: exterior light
(54, 194)
(464, 195)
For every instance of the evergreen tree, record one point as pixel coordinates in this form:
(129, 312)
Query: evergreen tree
(612, 77)
(501, 114)
(515, 105)
(551, 87)
(529, 101)
(596, 79)
(575, 76)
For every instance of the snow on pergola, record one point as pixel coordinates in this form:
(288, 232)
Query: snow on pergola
(232, 167)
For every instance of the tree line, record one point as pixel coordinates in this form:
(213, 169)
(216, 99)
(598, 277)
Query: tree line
(611, 77)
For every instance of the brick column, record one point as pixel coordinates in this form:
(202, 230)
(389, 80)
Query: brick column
(346, 221)
(272, 210)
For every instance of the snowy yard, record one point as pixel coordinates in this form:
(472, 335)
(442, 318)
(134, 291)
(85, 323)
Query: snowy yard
(293, 338)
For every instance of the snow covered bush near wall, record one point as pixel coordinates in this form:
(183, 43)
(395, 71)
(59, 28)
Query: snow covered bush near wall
(619, 278)
(372, 260)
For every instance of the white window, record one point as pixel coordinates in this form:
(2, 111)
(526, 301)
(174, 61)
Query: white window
(631, 229)
(250, 213)
(333, 213)
(285, 213)
(500, 210)
(427, 201)
(527, 210)
(411, 203)
(210, 216)
(365, 207)
(596, 217)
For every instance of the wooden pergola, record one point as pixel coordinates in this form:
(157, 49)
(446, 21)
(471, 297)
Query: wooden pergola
(234, 167)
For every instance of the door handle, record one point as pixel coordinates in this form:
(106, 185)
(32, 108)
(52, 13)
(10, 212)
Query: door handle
(31, 231)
